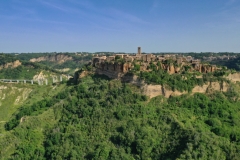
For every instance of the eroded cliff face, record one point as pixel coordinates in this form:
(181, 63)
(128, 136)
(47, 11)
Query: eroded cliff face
(156, 90)
(20, 94)
(39, 76)
(11, 65)
(118, 70)
(59, 58)
(133, 79)
(171, 68)
(113, 70)
(11, 97)
(234, 77)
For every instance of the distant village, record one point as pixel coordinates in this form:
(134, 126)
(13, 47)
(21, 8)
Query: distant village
(146, 58)
(172, 63)
(223, 57)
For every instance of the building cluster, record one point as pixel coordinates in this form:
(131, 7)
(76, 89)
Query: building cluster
(223, 57)
(146, 58)
(172, 63)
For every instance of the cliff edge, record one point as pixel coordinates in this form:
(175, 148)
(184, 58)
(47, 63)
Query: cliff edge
(59, 58)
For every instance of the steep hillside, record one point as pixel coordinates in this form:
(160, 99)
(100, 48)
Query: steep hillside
(13, 96)
(13, 99)
(105, 119)
(153, 90)
(13, 64)
(7, 58)
(31, 71)
(158, 81)
(150, 114)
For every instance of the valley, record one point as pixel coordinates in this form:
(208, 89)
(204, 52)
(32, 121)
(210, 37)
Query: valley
(143, 114)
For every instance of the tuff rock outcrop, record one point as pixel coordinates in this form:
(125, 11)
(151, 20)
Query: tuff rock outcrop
(59, 58)
(11, 65)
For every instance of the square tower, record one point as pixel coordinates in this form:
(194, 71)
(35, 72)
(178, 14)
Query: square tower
(139, 51)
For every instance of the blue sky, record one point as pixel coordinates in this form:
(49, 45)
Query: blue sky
(119, 25)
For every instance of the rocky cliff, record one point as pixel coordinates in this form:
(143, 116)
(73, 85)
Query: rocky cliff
(117, 70)
(11, 65)
(59, 58)
(156, 90)
(234, 77)
(113, 70)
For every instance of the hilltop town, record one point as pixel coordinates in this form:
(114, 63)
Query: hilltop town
(117, 65)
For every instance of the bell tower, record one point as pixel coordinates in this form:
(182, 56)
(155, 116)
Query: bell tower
(139, 51)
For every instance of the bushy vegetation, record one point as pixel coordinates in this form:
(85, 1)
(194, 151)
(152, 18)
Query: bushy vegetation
(181, 82)
(6, 58)
(76, 62)
(25, 71)
(230, 64)
(103, 119)
(35, 108)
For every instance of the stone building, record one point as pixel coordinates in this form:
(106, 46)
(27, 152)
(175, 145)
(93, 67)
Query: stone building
(146, 57)
(139, 51)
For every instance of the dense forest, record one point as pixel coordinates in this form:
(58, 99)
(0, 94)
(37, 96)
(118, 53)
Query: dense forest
(99, 118)
(104, 119)
(6, 58)
(230, 64)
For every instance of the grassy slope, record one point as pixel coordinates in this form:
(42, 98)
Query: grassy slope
(16, 95)
(11, 97)
(9, 107)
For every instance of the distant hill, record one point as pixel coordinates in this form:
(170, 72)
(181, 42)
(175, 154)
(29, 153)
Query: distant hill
(63, 62)
(230, 64)
(27, 65)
